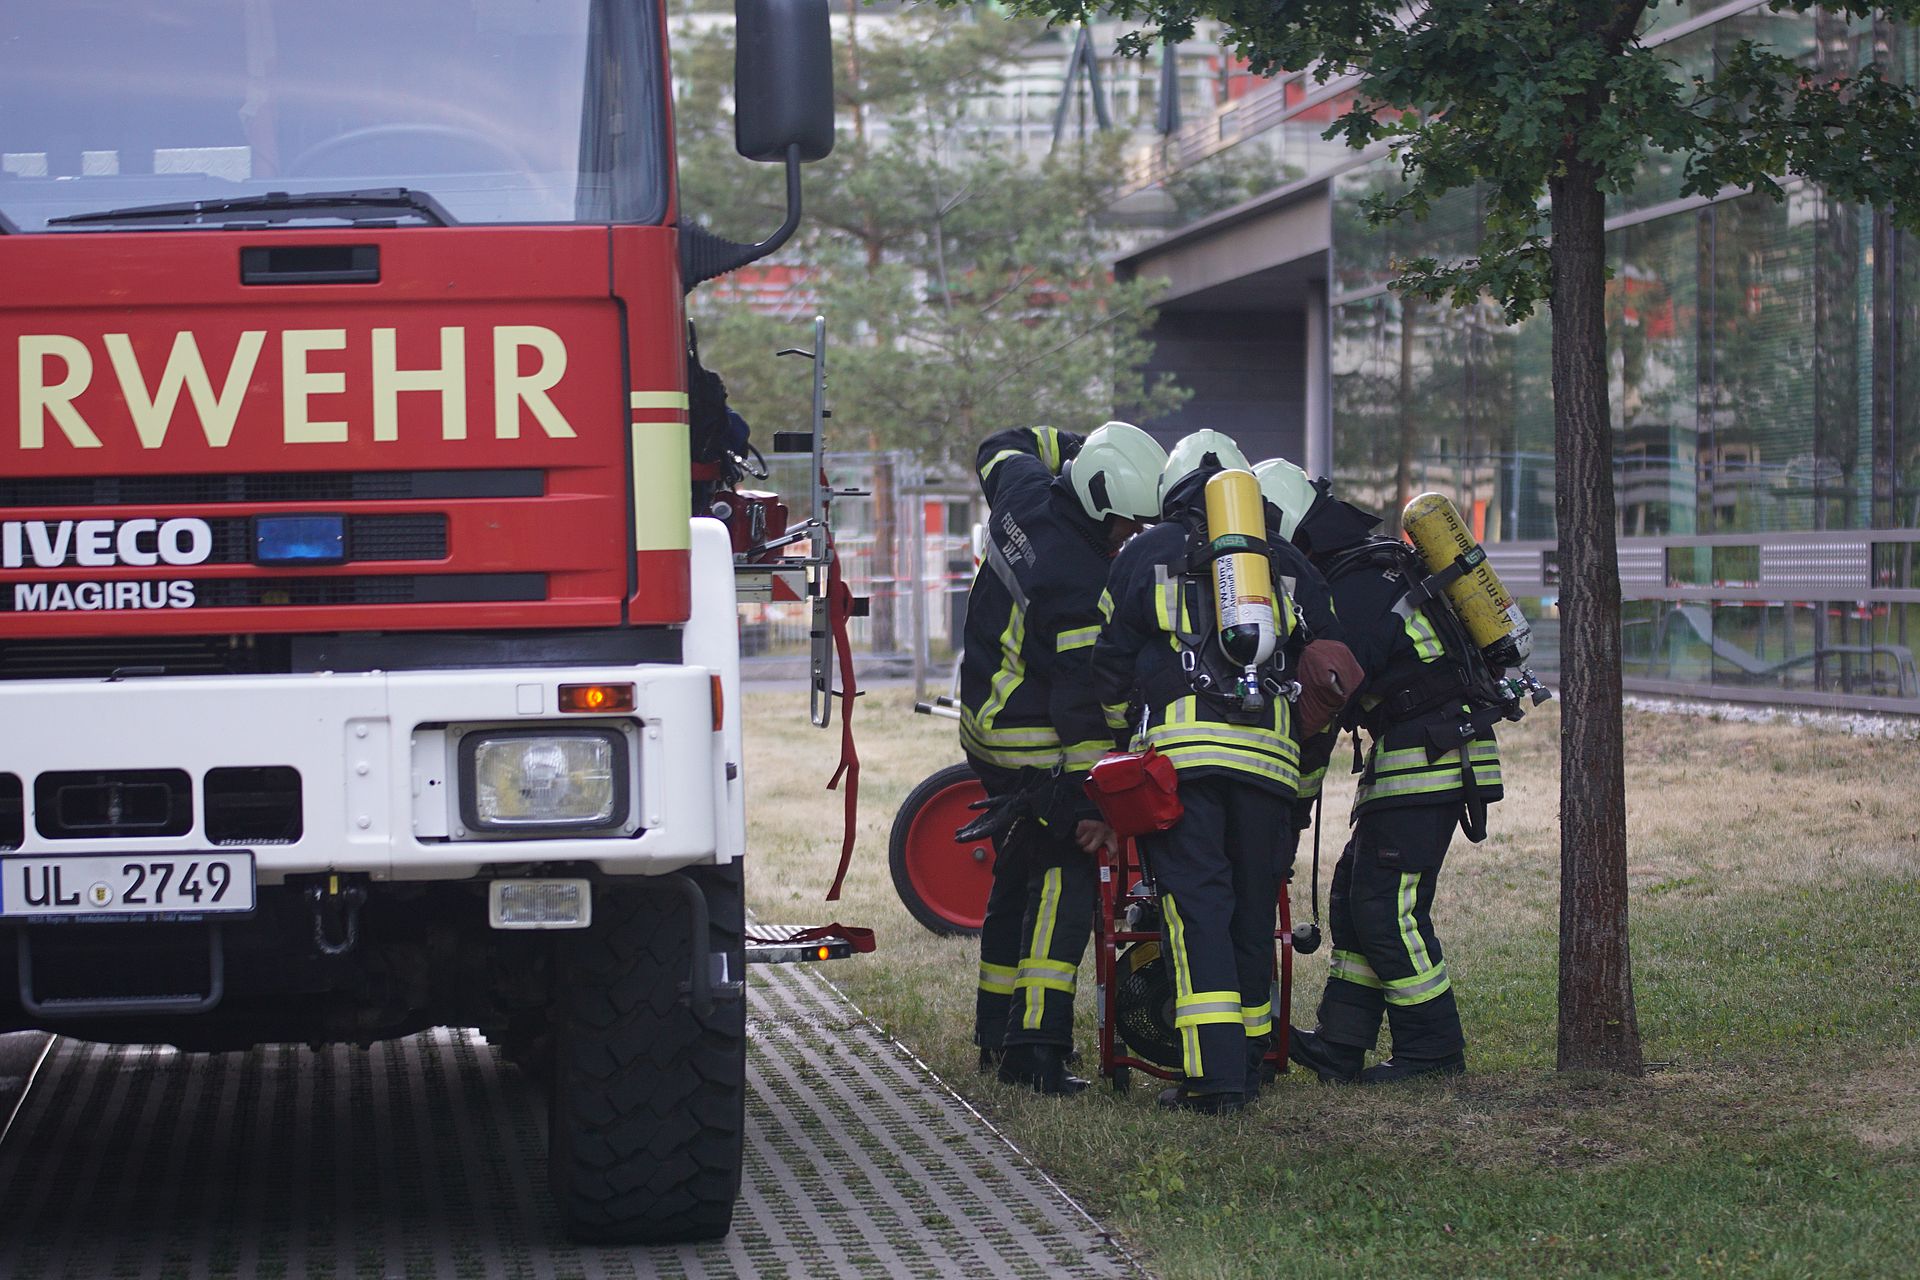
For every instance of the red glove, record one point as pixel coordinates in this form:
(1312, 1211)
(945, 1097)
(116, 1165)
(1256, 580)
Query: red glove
(1328, 677)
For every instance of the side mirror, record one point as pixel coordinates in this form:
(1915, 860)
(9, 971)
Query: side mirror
(782, 79)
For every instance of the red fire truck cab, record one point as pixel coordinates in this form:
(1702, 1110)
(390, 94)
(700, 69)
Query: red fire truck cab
(361, 667)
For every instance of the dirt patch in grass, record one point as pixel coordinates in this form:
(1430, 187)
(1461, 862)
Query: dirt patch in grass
(1879, 1102)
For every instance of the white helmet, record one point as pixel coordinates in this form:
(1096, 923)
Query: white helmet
(1115, 472)
(1286, 487)
(1193, 452)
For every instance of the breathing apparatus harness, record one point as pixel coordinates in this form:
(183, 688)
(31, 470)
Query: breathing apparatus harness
(1459, 696)
(1240, 695)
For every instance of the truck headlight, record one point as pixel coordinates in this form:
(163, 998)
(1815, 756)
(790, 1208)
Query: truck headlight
(539, 780)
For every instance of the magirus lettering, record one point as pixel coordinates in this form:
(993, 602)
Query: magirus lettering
(103, 544)
(89, 597)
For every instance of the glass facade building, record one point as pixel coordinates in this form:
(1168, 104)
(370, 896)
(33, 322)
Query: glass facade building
(1764, 385)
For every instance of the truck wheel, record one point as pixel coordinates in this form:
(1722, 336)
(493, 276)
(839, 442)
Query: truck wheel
(648, 1114)
(943, 883)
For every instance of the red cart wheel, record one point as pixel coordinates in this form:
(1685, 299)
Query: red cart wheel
(943, 883)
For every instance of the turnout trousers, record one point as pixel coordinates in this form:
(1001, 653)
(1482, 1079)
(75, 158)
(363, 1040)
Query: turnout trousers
(1386, 956)
(1039, 917)
(1215, 875)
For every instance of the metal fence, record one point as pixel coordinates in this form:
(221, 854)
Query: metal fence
(1822, 619)
(905, 540)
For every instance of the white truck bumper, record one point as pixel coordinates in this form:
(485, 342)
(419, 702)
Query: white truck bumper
(377, 764)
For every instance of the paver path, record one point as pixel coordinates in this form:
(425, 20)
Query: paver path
(425, 1157)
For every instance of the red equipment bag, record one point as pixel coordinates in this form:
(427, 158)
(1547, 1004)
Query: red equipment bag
(1138, 792)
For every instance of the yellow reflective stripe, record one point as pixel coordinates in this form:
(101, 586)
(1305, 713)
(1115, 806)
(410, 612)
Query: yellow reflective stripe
(1106, 605)
(1116, 714)
(1204, 1008)
(1078, 757)
(1015, 758)
(996, 979)
(1351, 966)
(1013, 669)
(662, 494)
(1410, 935)
(1007, 736)
(1419, 784)
(996, 460)
(1408, 758)
(1257, 766)
(1182, 984)
(1163, 605)
(1266, 740)
(1048, 438)
(1078, 638)
(1258, 1019)
(1421, 987)
(1426, 644)
(1040, 945)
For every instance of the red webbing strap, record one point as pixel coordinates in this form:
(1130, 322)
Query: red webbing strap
(861, 940)
(839, 609)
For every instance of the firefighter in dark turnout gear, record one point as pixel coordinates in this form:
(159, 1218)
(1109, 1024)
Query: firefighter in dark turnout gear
(1031, 726)
(1432, 767)
(1215, 869)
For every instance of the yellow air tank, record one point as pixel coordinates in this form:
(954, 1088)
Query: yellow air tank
(1434, 527)
(1242, 578)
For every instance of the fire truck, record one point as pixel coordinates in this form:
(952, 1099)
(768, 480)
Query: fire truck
(363, 668)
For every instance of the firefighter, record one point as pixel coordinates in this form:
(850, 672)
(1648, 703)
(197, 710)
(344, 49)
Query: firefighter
(1031, 726)
(1158, 672)
(1422, 709)
(1326, 668)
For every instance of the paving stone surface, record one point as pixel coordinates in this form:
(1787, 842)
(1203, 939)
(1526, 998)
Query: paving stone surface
(425, 1158)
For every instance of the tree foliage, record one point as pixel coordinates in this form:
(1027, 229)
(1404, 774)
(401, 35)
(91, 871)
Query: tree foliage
(966, 286)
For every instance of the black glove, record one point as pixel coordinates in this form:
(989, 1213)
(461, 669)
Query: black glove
(999, 815)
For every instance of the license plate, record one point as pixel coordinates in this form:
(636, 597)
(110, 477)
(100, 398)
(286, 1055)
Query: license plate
(139, 884)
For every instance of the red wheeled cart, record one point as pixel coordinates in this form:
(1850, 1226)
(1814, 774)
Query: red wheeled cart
(1136, 983)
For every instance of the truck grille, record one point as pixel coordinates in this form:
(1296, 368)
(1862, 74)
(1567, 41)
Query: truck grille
(13, 812)
(71, 805)
(402, 537)
(304, 487)
(82, 658)
(238, 593)
(252, 806)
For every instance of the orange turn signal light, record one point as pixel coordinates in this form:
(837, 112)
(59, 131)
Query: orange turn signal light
(596, 699)
(719, 705)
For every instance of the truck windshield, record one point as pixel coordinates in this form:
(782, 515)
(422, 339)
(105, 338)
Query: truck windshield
(503, 110)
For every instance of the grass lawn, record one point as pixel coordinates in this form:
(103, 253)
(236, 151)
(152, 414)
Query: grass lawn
(1776, 923)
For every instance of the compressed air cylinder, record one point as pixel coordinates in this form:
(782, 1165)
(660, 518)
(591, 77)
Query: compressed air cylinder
(1242, 577)
(1495, 623)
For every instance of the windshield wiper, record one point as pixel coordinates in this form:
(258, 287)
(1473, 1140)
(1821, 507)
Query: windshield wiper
(274, 206)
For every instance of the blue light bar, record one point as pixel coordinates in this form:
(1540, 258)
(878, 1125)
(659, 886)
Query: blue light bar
(299, 539)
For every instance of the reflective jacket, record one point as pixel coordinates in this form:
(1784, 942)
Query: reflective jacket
(1026, 695)
(1410, 760)
(1138, 669)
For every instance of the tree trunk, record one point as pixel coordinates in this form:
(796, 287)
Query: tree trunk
(1598, 1030)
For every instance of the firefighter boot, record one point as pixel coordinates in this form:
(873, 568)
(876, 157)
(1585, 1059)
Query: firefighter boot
(1396, 1070)
(1333, 1063)
(1217, 1103)
(1040, 1067)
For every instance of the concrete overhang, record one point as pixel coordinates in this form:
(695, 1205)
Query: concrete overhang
(1252, 256)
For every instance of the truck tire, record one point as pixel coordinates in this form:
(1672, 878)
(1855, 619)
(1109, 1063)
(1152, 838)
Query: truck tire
(942, 883)
(648, 1098)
